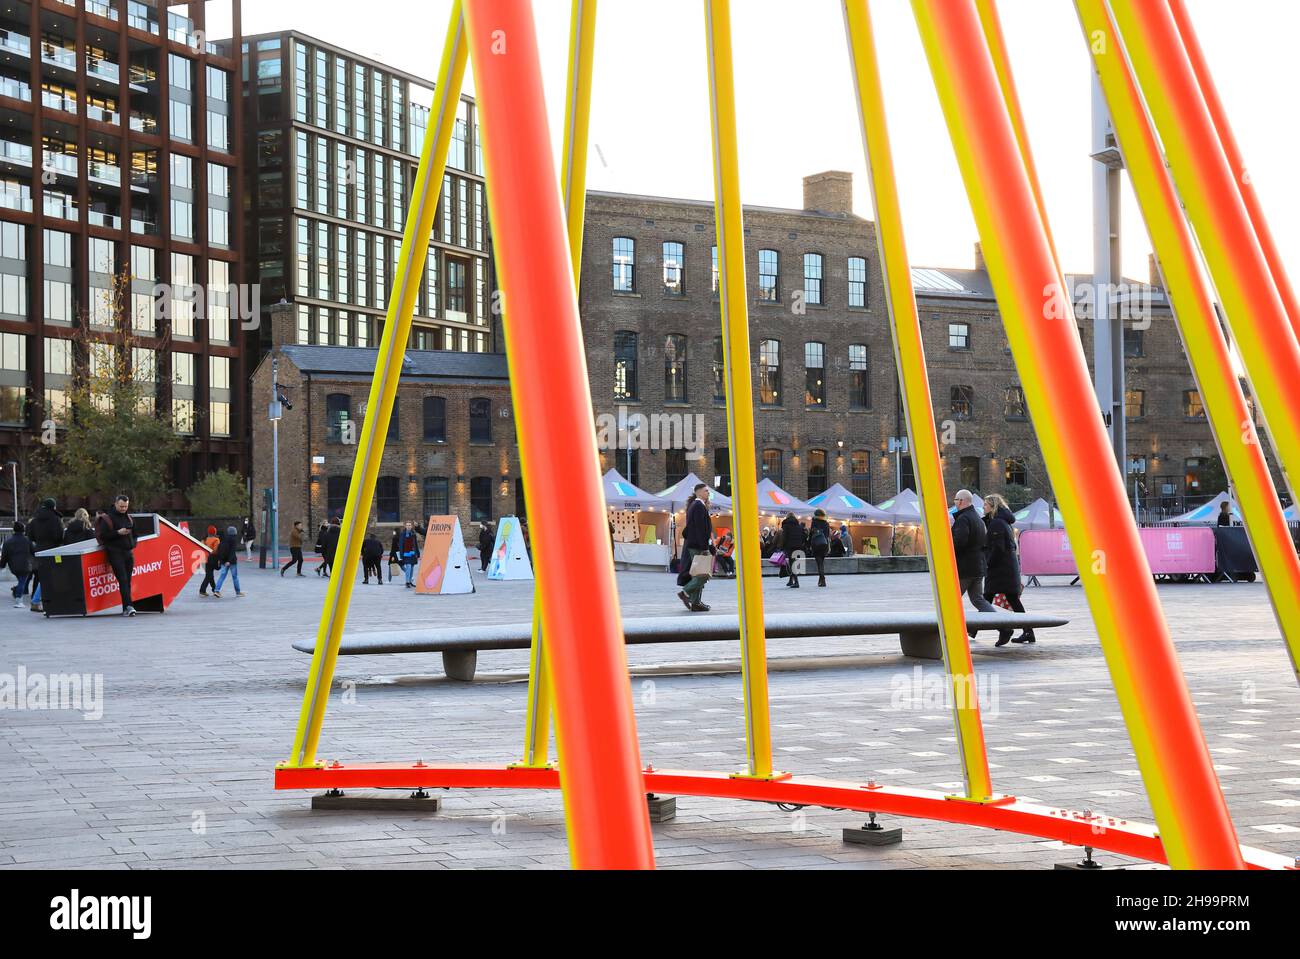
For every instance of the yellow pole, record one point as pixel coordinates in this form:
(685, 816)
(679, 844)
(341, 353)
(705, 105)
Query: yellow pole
(909, 358)
(573, 184)
(1203, 339)
(740, 395)
(383, 389)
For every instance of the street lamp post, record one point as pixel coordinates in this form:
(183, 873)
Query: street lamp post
(275, 411)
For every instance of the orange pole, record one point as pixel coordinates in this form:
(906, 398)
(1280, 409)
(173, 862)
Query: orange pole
(1236, 160)
(1189, 807)
(600, 765)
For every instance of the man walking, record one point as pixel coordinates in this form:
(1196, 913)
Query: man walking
(330, 546)
(295, 548)
(116, 534)
(969, 536)
(228, 560)
(697, 539)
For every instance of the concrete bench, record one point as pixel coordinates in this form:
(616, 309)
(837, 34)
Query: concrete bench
(918, 634)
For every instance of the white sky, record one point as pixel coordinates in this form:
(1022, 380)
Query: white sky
(797, 112)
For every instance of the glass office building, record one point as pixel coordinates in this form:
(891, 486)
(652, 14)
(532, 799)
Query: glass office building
(332, 142)
(119, 171)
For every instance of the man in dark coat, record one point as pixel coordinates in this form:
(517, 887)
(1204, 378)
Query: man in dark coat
(1003, 574)
(486, 540)
(372, 559)
(969, 537)
(45, 530)
(18, 554)
(331, 544)
(697, 538)
(116, 534)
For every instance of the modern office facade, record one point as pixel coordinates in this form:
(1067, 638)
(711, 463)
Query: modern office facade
(120, 214)
(333, 141)
(826, 394)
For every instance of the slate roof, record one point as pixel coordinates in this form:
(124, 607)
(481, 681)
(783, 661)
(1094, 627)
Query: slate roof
(440, 364)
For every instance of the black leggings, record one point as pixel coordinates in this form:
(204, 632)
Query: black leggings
(819, 554)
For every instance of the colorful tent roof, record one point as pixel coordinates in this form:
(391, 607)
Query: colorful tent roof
(677, 493)
(840, 504)
(1208, 514)
(620, 494)
(772, 500)
(1292, 513)
(903, 508)
(1039, 515)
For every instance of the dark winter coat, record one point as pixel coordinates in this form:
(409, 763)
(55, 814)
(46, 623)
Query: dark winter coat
(372, 550)
(1003, 574)
(77, 532)
(792, 536)
(824, 547)
(331, 544)
(404, 542)
(698, 534)
(228, 551)
(18, 554)
(249, 532)
(968, 538)
(45, 529)
(106, 531)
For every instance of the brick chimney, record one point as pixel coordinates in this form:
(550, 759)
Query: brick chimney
(283, 318)
(829, 192)
(979, 258)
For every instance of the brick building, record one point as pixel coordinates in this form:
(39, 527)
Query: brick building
(450, 449)
(825, 390)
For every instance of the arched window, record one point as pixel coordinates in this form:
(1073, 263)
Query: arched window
(338, 411)
(435, 419)
(480, 420)
(624, 264)
(812, 278)
(388, 499)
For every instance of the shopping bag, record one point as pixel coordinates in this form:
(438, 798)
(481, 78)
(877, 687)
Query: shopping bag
(778, 558)
(1000, 601)
(702, 565)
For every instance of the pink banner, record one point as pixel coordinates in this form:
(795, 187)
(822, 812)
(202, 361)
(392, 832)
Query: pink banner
(1169, 550)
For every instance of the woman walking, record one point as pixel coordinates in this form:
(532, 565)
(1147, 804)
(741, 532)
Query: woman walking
(819, 539)
(1003, 574)
(406, 547)
(792, 538)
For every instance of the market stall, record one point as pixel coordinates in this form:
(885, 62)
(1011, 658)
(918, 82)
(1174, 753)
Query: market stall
(1039, 515)
(871, 529)
(904, 511)
(642, 522)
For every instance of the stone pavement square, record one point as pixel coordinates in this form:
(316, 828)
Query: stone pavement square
(199, 704)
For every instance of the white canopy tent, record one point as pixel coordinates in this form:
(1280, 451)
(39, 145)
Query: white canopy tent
(1039, 515)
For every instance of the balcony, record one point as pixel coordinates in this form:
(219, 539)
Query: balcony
(100, 218)
(142, 226)
(60, 163)
(19, 153)
(105, 70)
(57, 101)
(143, 122)
(16, 89)
(60, 204)
(103, 114)
(59, 56)
(16, 196)
(101, 172)
(16, 43)
(101, 8)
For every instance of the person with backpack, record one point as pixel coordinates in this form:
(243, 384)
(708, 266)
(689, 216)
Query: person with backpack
(116, 533)
(819, 540)
(228, 560)
(406, 548)
(212, 542)
(18, 554)
(372, 559)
